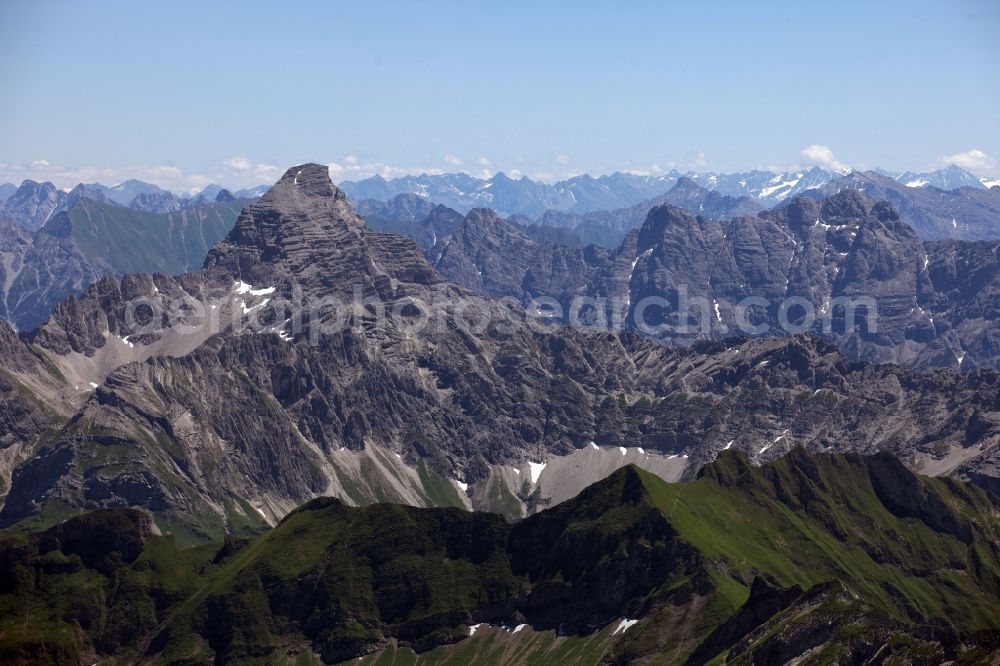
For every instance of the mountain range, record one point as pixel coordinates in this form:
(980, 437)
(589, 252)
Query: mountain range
(936, 300)
(211, 424)
(584, 194)
(945, 203)
(609, 228)
(843, 558)
(32, 204)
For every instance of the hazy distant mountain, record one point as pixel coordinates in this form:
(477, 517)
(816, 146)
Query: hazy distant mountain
(407, 214)
(14, 242)
(766, 186)
(156, 202)
(251, 192)
(523, 196)
(608, 228)
(6, 190)
(32, 204)
(123, 193)
(401, 208)
(967, 213)
(207, 193)
(950, 178)
(417, 218)
(91, 239)
(580, 194)
(585, 194)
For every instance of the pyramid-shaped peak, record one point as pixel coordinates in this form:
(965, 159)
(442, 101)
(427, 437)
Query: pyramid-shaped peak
(303, 213)
(306, 179)
(304, 231)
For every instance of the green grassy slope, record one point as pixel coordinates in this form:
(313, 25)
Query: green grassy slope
(838, 555)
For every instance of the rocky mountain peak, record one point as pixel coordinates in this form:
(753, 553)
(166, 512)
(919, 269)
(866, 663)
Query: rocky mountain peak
(33, 203)
(304, 230)
(663, 220)
(803, 212)
(849, 204)
(82, 191)
(846, 208)
(224, 196)
(685, 183)
(295, 217)
(309, 180)
(483, 219)
(31, 188)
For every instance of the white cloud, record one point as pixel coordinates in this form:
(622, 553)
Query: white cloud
(238, 163)
(824, 157)
(700, 162)
(974, 161)
(352, 168)
(562, 160)
(483, 162)
(453, 160)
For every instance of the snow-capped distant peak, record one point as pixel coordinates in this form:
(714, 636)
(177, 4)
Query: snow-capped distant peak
(949, 178)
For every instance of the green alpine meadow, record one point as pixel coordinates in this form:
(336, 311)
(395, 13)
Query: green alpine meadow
(841, 557)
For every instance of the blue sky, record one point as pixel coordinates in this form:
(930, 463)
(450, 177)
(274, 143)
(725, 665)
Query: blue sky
(183, 93)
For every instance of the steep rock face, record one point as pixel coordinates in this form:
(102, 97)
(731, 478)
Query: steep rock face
(33, 204)
(485, 254)
(25, 413)
(495, 257)
(844, 249)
